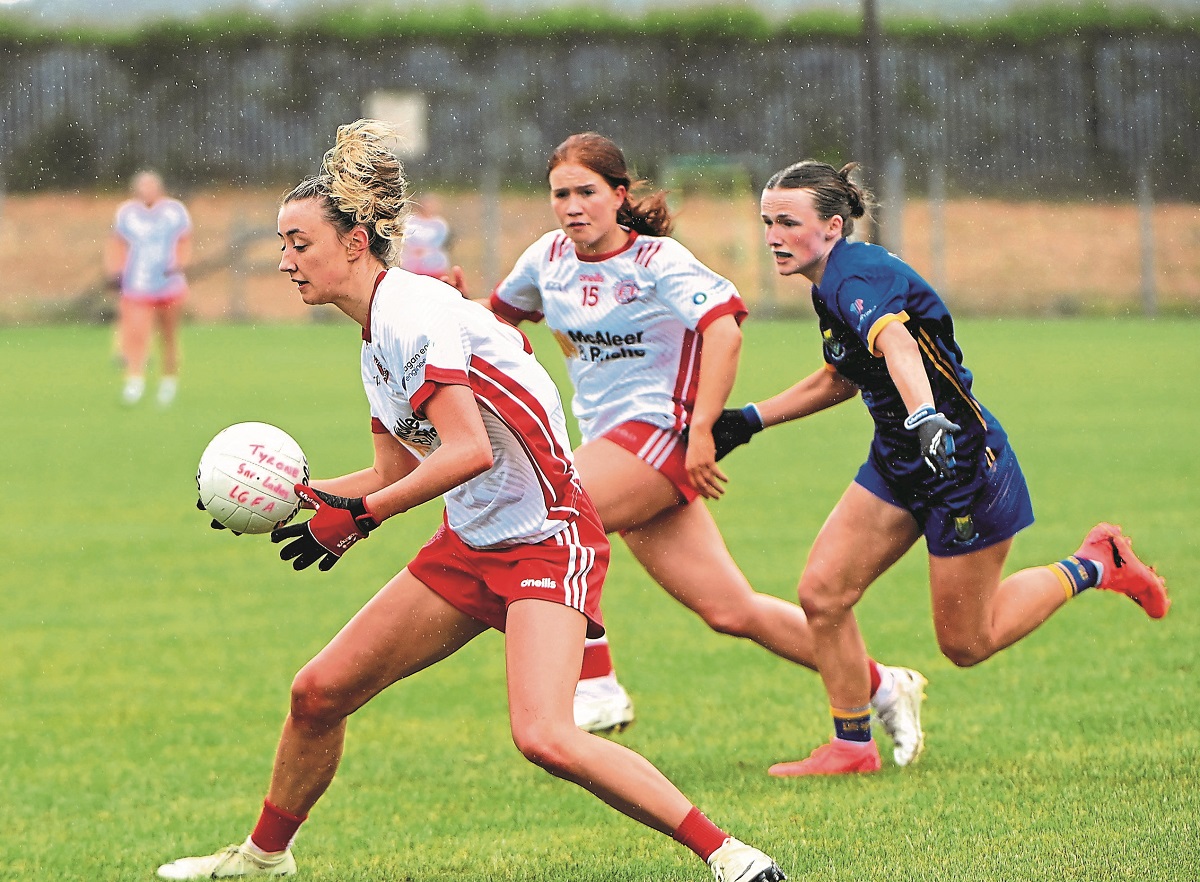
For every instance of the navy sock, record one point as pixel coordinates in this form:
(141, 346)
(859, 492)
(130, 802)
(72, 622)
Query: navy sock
(852, 725)
(1076, 574)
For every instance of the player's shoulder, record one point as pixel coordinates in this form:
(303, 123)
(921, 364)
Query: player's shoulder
(549, 247)
(661, 253)
(125, 209)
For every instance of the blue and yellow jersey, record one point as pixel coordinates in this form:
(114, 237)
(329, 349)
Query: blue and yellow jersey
(865, 288)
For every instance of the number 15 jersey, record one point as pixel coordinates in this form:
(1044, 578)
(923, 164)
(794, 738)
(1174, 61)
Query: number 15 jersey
(629, 323)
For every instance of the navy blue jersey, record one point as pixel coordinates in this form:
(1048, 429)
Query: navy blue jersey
(864, 288)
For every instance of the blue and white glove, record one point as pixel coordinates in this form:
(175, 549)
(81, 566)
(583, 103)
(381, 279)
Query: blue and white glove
(935, 435)
(735, 427)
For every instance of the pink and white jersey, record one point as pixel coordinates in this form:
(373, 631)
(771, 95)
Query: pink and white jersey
(152, 233)
(423, 334)
(628, 322)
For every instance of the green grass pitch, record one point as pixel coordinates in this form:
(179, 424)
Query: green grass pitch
(145, 660)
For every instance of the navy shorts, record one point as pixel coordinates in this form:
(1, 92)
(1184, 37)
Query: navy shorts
(1001, 508)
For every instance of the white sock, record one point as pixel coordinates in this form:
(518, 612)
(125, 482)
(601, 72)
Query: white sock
(886, 692)
(167, 387)
(252, 847)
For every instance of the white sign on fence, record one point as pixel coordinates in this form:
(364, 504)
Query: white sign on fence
(408, 112)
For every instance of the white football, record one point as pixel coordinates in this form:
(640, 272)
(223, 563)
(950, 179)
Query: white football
(247, 474)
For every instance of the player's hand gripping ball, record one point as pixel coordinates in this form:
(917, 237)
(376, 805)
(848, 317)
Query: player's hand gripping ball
(247, 478)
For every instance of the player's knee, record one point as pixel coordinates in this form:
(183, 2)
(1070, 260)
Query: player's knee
(548, 746)
(823, 598)
(963, 653)
(316, 700)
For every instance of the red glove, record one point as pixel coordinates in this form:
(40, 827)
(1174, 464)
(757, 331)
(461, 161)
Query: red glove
(339, 522)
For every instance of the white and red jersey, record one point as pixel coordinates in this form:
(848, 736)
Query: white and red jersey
(629, 323)
(423, 334)
(152, 234)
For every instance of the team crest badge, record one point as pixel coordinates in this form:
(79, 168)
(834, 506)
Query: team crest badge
(627, 292)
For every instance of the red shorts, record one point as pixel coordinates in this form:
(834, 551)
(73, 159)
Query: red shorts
(568, 568)
(157, 301)
(661, 448)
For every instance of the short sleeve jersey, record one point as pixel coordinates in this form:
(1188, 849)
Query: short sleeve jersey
(152, 234)
(421, 335)
(863, 290)
(629, 323)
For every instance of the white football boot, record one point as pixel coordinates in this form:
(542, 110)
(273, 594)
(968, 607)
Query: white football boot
(900, 714)
(736, 861)
(167, 387)
(602, 705)
(231, 861)
(133, 390)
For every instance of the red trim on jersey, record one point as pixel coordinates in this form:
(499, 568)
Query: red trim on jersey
(434, 377)
(524, 414)
(514, 315)
(558, 248)
(646, 253)
(685, 381)
(378, 428)
(734, 307)
(366, 332)
(596, 258)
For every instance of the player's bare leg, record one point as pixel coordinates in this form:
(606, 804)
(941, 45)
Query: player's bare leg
(682, 549)
(168, 315)
(136, 322)
(405, 628)
(627, 491)
(976, 614)
(543, 648)
(860, 540)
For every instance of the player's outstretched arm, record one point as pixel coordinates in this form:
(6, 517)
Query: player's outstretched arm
(934, 432)
(821, 389)
(464, 451)
(339, 522)
(392, 462)
(718, 368)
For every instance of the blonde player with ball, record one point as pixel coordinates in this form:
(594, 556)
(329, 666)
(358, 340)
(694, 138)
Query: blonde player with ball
(459, 409)
(652, 339)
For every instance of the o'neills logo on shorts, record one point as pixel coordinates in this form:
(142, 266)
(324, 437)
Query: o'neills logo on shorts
(538, 583)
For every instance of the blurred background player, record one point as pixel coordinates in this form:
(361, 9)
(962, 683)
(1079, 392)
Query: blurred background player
(426, 239)
(940, 464)
(652, 340)
(150, 245)
(460, 408)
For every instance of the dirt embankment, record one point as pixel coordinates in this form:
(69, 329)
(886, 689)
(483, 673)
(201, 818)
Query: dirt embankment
(995, 257)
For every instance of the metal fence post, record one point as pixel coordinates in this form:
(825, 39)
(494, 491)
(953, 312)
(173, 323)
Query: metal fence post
(1145, 200)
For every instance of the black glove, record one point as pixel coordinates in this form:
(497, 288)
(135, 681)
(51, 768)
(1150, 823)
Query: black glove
(337, 523)
(735, 427)
(215, 524)
(935, 435)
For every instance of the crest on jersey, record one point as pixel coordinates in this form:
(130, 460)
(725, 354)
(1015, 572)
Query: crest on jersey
(627, 292)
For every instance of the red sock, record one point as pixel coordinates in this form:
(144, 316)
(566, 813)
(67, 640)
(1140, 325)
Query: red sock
(597, 661)
(873, 667)
(699, 834)
(276, 828)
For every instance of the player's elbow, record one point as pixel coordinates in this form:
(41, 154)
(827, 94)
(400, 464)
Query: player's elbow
(475, 457)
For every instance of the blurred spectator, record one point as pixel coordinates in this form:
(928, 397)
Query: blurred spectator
(426, 239)
(144, 259)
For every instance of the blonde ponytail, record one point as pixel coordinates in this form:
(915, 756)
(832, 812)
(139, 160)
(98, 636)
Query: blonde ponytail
(362, 183)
